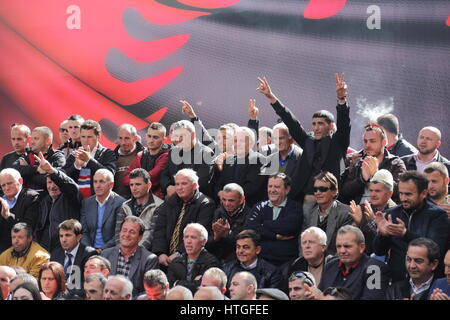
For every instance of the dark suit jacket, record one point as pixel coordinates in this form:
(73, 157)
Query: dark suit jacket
(410, 161)
(368, 272)
(292, 165)
(333, 148)
(142, 261)
(104, 158)
(83, 254)
(25, 210)
(89, 214)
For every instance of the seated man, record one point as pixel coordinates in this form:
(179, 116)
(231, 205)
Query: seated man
(90, 157)
(422, 258)
(128, 146)
(248, 247)
(24, 252)
(441, 287)
(215, 277)
(381, 189)
(243, 286)
(99, 212)
(187, 205)
(365, 277)
(297, 282)
(153, 159)
(396, 144)
(129, 259)
(229, 219)
(72, 252)
(244, 168)
(41, 145)
(278, 221)
(428, 143)
(17, 205)
(374, 156)
(63, 202)
(156, 285)
(187, 269)
(189, 153)
(20, 139)
(94, 284)
(118, 288)
(142, 204)
(416, 217)
(6, 275)
(328, 213)
(313, 246)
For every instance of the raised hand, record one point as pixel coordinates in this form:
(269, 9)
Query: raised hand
(355, 212)
(369, 167)
(187, 109)
(253, 111)
(5, 209)
(341, 87)
(396, 229)
(368, 212)
(44, 166)
(82, 155)
(381, 223)
(264, 88)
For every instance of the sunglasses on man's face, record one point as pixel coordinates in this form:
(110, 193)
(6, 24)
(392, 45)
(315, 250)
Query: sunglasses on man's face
(63, 130)
(321, 189)
(301, 275)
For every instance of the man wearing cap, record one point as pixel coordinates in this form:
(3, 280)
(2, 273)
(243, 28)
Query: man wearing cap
(271, 294)
(380, 190)
(374, 156)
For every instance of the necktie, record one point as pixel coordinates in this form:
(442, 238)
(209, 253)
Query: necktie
(68, 264)
(176, 232)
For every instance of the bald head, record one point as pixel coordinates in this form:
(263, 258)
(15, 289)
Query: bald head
(429, 140)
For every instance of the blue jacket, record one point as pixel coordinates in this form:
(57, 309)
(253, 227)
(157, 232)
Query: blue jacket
(288, 223)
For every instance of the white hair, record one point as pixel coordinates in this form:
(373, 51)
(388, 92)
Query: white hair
(46, 131)
(128, 285)
(183, 124)
(200, 228)
(188, 173)
(107, 173)
(233, 187)
(317, 232)
(129, 128)
(281, 126)
(185, 292)
(214, 293)
(11, 172)
(247, 132)
(217, 274)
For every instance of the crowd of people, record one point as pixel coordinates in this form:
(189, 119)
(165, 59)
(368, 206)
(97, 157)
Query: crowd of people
(239, 213)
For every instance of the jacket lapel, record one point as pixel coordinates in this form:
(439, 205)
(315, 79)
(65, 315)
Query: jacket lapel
(331, 221)
(108, 209)
(135, 263)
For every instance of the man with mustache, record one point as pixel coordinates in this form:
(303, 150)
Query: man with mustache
(437, 175)
(374, 156)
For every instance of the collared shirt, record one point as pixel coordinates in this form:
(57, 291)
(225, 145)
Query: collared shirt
(122, 154)
(277, 209)
(12, 203)
(123, 267)
(98, 242)
(284, 162)
(418, 290)
(250, 267)
(73, 253)
(344, 271)
(421, 165)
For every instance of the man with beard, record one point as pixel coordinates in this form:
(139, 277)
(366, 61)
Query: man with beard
(375, 156)
(428, 142)
(437, 175)
(415, 217)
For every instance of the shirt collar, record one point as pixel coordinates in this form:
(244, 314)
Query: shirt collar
(104, 202)
(74, 251)
(344, 270)
(12, 203)
(250, 267)
(425, 286)
(283, 204)
(122, 154)
(435, 158)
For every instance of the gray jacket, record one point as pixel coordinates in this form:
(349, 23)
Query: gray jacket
(147, 216)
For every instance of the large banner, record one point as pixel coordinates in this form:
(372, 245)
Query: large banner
(131, 61)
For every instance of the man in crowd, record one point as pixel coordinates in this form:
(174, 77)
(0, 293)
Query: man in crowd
(422, 258)
(94, 284)
(278, 221)
(99, 212)
(215, 277)
(129, 259)
(118, 288)
(437, 175)
(156, 285)
(18, 204)
(24, 252)
(441, 288)
(297, 282)
(97, 264)
(396, 144)
(20, 139)
(243, 286)
(74, 123)
(128, 146)
(90, 157)
(153, 159)
(326, 149)
(428, 143)
(228, 221)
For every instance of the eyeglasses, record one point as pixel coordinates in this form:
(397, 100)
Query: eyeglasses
(322, 189)
(371, 125)
(63, 130)
(302, 275)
